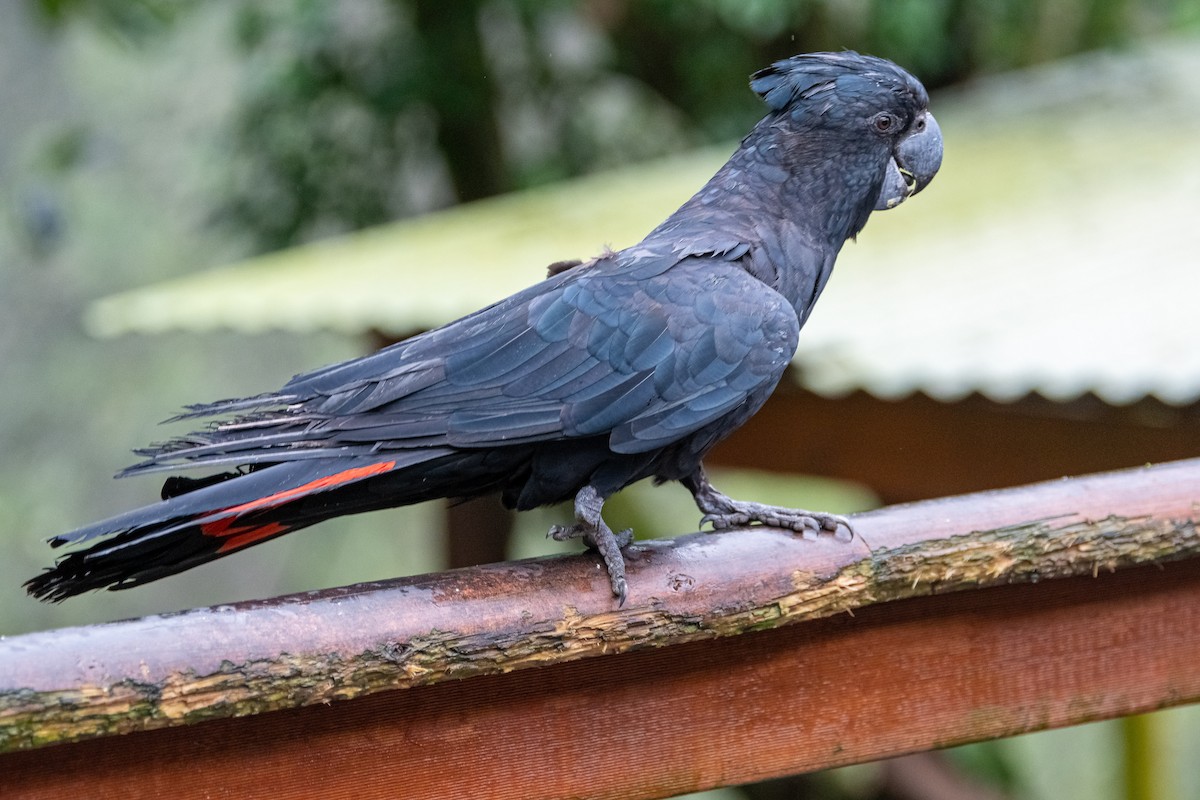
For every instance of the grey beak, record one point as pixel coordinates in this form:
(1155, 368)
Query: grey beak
(914, 162)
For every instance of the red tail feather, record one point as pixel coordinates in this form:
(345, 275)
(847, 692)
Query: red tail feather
(243, 535)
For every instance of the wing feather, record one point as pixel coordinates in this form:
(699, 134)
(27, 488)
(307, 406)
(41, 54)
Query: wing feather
(647, 355)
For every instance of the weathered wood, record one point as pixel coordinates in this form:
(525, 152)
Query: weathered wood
(64, 685)
(894, 678)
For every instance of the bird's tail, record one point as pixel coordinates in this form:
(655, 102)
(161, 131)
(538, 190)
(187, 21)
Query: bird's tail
(205, 519)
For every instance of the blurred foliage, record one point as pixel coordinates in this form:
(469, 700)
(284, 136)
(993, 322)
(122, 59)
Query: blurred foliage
(133, 20)
(360, 112)
(355, 102)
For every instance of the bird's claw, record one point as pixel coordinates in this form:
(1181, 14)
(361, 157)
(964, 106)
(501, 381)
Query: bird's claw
(598, 536)
(562, 533)
(581, 530)
(620, 589)
(807, 523)
(722, 511)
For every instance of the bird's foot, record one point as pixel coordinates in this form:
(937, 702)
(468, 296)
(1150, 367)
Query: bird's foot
(807, 523)
(722, 511)
(590, 527)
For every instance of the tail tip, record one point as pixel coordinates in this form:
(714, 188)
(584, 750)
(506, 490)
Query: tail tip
(50, 587)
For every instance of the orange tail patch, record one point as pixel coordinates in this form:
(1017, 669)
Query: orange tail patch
(245, 535)
(242, 535)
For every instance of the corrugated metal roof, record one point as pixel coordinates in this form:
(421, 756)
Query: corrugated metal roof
(420, 272)
(1057, 252)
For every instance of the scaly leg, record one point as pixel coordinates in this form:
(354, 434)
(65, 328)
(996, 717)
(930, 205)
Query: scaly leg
(596, 534)
(725, 512)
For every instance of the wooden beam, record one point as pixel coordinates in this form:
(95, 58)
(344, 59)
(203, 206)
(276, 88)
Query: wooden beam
(907, 676)
(941, 667)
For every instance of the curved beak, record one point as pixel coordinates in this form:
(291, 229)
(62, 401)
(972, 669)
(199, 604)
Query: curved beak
(914, 162)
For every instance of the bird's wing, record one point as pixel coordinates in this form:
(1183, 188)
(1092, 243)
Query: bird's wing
(646, 356)
(643, 353)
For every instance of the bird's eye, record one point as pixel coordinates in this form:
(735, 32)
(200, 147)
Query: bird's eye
(885, 122)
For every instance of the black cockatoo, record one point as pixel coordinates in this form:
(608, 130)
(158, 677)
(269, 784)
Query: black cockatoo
(630, 366)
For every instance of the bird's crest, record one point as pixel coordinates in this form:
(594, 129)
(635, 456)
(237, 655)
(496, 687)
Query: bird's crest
(796, 82)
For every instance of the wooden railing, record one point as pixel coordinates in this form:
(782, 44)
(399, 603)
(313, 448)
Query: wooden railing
(739, 656)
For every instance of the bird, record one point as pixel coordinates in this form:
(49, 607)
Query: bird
(628, 366)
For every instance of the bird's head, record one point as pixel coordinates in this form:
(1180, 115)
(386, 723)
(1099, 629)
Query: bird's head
(869, 107)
